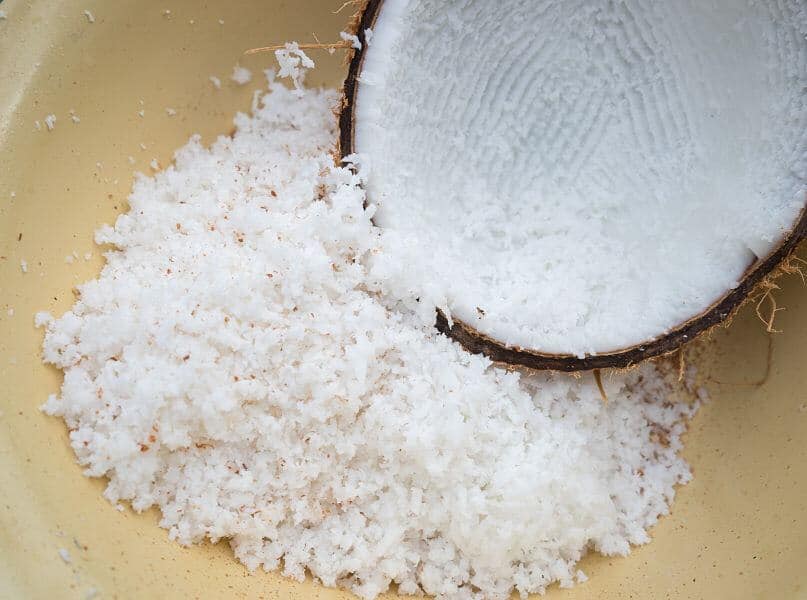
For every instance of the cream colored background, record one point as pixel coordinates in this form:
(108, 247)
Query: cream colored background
(737, 531)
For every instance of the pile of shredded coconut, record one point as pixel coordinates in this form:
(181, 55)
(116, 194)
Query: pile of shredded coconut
(255, 361)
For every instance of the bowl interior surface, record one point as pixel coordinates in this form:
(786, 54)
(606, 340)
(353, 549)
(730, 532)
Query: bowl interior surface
(736, 531)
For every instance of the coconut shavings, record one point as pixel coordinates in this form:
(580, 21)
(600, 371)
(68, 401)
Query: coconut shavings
(353, 39)
(293, 64)
(50, 122)
(90, 16)
(215, 81)
(241, 75)
(251, 361)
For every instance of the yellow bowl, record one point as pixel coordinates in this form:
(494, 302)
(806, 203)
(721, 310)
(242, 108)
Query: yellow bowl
(737, 531)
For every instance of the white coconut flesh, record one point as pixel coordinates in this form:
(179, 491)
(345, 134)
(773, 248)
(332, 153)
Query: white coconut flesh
(583, 176)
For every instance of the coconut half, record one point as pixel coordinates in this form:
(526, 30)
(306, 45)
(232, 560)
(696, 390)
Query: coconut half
(594, 182)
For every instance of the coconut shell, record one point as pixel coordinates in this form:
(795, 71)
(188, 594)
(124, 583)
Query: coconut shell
(474, 341)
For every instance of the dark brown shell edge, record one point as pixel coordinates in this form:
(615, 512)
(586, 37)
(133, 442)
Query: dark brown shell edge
(479, 343)
(362, 21)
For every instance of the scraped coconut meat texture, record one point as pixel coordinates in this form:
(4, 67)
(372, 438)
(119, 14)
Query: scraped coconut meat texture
(584, 176)
(244, 363)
